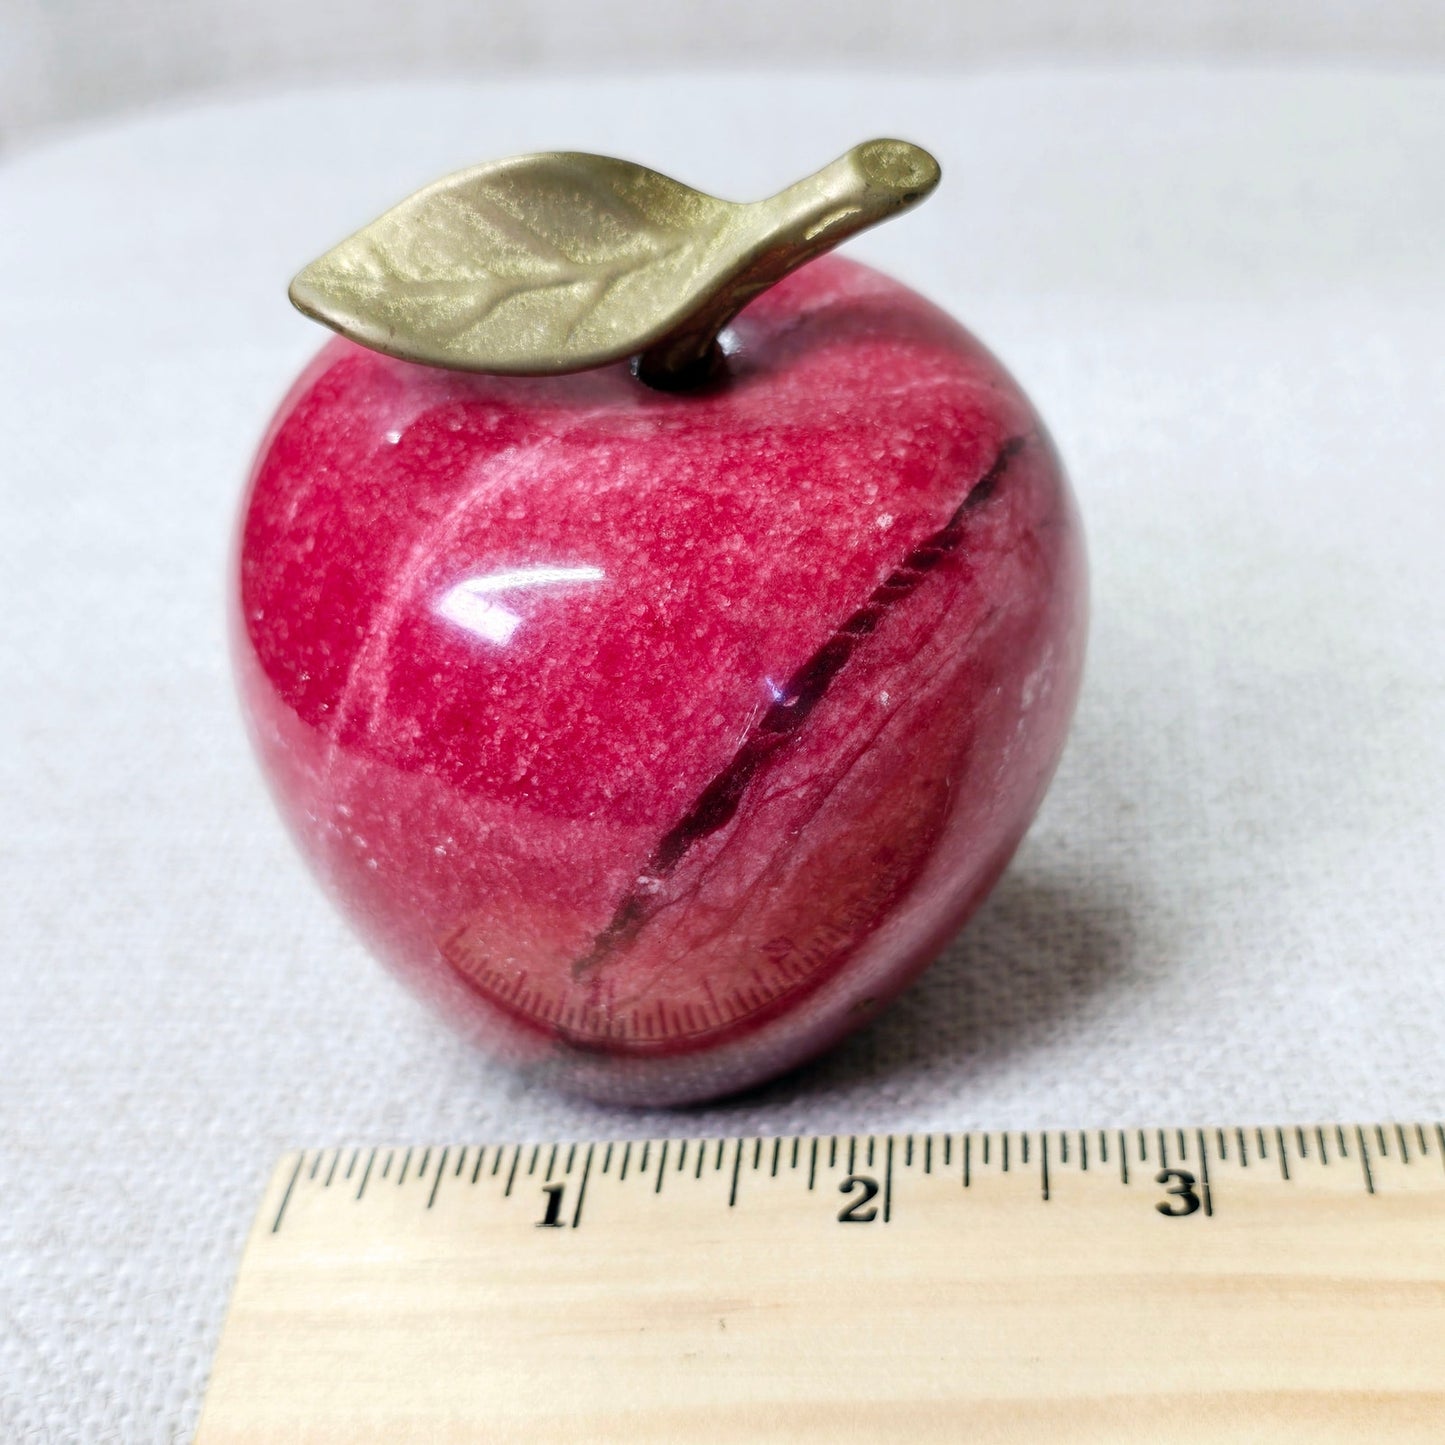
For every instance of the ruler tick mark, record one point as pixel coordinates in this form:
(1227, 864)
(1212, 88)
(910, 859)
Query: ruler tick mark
(582, 1187)
(1123, 1159)
(1283, 1153)
(315, 1163)
(701, 1158)
(967, 1161)
(737, 1165)
(626, 1155)
(1380, 1140)
(366, 1174)
(512, 1173)
(331, 1173)
(796, 1142)
(437, 1182)
(1204, 1176)
(286, 1197)
(461, 1162)
(1044, 1164)
(928, 1154)
(481, 1155)
(1320, 1145)
(777, 1145)
(661, 1167)
(1365, 1159)
(1083, 1151)
(551, 1164)
(1404, 1148)
(887, 1179)
(812, 1163)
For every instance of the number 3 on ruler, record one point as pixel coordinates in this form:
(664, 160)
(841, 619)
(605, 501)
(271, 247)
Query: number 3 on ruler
(1181, 1187)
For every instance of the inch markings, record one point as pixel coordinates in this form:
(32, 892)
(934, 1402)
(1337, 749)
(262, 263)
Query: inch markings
(883, 1179)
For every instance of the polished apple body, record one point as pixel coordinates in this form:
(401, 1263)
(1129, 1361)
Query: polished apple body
(660, 738)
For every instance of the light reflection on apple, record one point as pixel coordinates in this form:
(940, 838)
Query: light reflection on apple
(469, 604)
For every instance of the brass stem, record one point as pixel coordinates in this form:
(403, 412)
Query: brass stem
(872, 182)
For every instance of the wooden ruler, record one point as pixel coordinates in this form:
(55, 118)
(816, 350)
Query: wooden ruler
(1160, 1285)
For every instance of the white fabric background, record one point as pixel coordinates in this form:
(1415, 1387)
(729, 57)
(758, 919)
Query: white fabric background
(62, 59)
(1225, 291)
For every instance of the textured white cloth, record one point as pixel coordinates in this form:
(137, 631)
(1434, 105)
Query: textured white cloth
(63, 59)
(1225, 292)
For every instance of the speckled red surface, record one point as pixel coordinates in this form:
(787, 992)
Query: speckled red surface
(661, 738)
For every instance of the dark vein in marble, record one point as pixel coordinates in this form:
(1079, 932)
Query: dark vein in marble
(718, 802)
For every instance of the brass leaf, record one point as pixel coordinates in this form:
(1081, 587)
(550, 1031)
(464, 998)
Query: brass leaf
(562, 262)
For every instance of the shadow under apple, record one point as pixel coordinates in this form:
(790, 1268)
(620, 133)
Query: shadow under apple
(1033, 961)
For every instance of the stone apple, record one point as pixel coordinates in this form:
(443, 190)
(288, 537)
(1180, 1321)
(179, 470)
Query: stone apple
(660, 737)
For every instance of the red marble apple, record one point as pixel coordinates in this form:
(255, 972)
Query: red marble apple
(661, 737)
